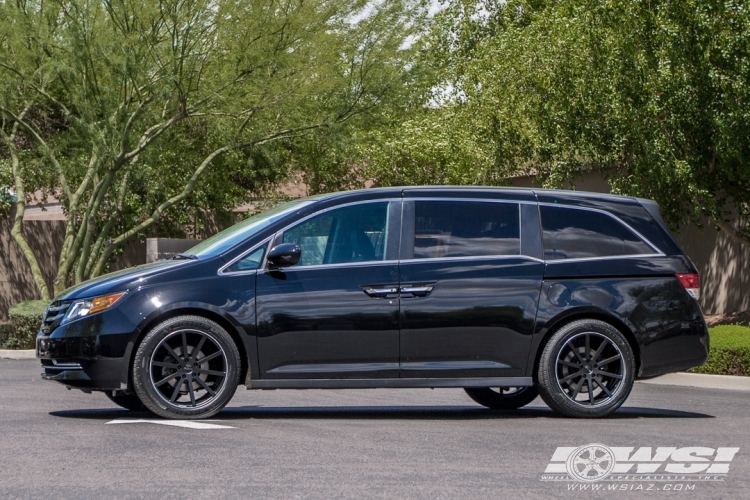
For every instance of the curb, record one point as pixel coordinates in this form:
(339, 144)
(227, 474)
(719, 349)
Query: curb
(17, 354)
(725, 382)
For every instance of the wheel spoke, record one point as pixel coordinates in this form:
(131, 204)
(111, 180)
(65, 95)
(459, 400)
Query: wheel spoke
(577, 389)
(598, 381)
(189, 383)
(571, 376)
(166, 379)
(609, 360)
(162, 364)
(205, 386)
(587, 351)
(197, 349)
(591, 391)
(176, 391)
(577, 354)
(599, 350)
(184, 346)
(607, 374)
(208, 358)
(176, 356)
(568, 363)
(210, 372)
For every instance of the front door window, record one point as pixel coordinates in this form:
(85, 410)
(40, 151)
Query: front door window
(355, 233)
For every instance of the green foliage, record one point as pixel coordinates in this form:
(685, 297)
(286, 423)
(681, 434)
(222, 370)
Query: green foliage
(154, 117)
(655, 93)
(25, 319)
(730, 351)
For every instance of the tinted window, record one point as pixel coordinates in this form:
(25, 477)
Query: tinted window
(351, 234)
(462, 229)
(250, 262)
(571, 233)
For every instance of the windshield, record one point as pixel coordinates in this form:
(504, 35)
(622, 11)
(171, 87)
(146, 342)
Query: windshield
(223, 241)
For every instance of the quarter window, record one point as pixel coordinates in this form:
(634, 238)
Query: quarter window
(250, 262)
(571, 233)
(355, 233)
(464, 229)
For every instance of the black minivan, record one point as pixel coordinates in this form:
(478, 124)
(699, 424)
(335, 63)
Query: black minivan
(507, 293)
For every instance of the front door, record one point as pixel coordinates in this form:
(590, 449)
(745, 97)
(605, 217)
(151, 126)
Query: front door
(335, 313)
(468, 294)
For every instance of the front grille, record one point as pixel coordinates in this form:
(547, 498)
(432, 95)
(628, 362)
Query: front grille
(54, 315)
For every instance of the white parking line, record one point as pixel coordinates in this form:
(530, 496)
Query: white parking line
(188, 424)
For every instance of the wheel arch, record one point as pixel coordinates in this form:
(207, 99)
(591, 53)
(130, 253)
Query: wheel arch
(560, 321)
(223, 322)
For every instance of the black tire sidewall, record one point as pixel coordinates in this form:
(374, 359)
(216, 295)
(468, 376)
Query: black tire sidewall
(486, 396)
(142, 368)
(549, 389)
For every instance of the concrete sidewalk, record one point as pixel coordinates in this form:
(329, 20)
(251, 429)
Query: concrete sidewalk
(17, 354)
(726, 382)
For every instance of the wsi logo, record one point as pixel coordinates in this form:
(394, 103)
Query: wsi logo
(597, 462)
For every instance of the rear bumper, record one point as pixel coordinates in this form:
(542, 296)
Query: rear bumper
(683, 346)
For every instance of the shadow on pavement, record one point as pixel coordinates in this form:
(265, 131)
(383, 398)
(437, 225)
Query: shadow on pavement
(379, 413)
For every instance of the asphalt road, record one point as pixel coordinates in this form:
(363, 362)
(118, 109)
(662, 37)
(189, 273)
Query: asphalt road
(344, 444)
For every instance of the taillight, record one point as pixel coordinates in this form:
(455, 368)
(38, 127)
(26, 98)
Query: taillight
(692, 283)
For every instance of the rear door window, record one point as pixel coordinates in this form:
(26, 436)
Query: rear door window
(571, 233)
(465, 229)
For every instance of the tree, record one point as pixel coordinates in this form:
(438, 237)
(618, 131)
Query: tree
(124, 105)
(654, 93)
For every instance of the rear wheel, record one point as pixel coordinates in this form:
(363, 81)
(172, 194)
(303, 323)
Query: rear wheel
(586, 369)
(128, 401)
(502, 398)
(186, 367)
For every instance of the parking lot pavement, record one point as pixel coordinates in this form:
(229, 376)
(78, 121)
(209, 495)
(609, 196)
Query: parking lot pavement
(349, 444)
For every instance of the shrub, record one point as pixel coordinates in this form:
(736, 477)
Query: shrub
(25, 319)
(730, 351)
(5, 328)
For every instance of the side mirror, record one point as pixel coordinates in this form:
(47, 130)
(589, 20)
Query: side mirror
(284, 255)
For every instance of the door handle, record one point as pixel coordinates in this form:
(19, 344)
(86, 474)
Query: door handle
(417, 291)
(381, 291)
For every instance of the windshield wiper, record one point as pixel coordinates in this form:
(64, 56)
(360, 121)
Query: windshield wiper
(184, 256)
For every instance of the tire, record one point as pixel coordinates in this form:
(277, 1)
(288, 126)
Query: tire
(586, 369)
(175, 381)
(502, 398)
(128, 401)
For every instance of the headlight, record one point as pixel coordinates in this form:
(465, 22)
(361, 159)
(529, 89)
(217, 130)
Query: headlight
(81, 308)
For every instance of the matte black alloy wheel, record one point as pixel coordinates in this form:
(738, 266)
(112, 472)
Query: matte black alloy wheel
(186, 367)
(502, 398)
(586, 369)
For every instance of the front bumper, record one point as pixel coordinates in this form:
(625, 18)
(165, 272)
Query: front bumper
(96, 360)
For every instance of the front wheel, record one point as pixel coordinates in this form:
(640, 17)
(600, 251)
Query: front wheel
(502, 398)
(586, 369)
(187, 367)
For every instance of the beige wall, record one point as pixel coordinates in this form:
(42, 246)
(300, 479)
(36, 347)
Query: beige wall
(724, 264)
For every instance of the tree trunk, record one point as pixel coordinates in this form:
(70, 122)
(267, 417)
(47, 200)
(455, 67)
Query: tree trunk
(733, 233)
(17, 231)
